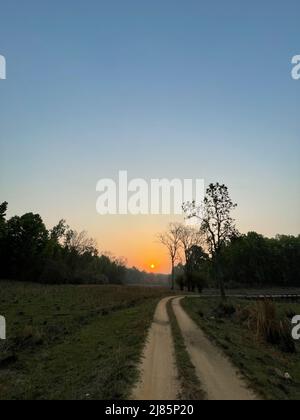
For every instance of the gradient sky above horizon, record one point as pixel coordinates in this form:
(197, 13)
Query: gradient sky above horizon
(185, 89)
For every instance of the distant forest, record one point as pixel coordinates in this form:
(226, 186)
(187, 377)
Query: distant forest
(253, 260)
(30, 252)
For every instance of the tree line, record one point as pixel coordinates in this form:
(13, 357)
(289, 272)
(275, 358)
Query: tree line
(212, 252)
(30, 252)
(253, 260)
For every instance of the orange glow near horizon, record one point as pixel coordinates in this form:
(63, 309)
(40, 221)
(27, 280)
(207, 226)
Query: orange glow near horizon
(157, 267)
(145, 255)
(135, 239)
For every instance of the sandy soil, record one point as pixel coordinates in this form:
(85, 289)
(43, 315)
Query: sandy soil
(158, 371)
(219, 378)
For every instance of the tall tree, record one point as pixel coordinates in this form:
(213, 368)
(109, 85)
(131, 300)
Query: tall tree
(217, 224)
(171, 240)
(27, 239)
(3, 210)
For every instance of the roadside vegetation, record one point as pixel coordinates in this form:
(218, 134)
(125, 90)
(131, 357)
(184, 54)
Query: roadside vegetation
(190, 384)
(73, 342)
(257, 338)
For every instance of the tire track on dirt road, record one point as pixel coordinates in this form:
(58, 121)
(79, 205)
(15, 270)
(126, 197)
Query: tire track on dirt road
(219, 378)
(159, 376)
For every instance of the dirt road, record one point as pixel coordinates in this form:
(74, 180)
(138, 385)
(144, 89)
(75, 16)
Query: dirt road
(159, 377)
(159, 374)
(219, 379)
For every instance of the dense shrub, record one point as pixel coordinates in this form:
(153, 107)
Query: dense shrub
(267, 325)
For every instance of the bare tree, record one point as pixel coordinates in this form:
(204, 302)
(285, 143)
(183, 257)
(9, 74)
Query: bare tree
(80, 242)
(171, 240)
(217, 224)
(189, 237)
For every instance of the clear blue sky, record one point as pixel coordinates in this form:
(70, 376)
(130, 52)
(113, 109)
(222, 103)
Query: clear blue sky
(162, 88)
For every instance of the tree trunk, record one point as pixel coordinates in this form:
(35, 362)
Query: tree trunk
(219, 276)
(173, 277)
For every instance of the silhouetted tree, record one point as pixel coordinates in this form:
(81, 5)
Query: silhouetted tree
(26, 244)
(171, 240)
(217, 225)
